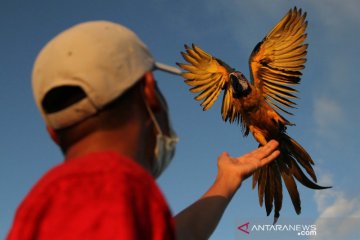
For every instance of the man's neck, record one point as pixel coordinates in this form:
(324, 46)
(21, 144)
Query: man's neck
(125, 142)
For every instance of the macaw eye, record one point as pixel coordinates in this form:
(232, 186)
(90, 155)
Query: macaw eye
(233, 77)
(244, 85)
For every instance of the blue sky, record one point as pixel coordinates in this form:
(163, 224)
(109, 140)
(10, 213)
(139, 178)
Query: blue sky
(326, 118)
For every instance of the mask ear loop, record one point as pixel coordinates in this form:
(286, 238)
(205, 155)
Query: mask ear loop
(173, 134)
(162, 101)
(152, 116)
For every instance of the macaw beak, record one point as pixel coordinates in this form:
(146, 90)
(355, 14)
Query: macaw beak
(240, 84)
(236, 86)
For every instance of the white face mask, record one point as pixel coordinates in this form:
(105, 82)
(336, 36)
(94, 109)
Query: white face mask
(165, 145)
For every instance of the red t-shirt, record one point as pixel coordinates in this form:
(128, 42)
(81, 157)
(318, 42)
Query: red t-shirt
(98, 196)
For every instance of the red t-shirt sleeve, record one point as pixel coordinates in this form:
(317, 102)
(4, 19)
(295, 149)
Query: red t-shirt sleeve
(96, 206)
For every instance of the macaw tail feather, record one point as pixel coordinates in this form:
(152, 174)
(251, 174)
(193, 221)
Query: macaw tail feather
(287, 167)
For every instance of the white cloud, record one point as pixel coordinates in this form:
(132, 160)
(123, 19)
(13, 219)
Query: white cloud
(247, 22)
(337, 14)
(329, 117)
(339, 214)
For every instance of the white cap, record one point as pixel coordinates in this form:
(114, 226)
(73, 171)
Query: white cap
(103, 58)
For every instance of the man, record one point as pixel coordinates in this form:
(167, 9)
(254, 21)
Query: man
(94, 86)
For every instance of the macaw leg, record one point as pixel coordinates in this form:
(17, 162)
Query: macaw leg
(258, 135)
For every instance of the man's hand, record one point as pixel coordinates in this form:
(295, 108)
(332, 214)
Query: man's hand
(232, 171)
(199, 220)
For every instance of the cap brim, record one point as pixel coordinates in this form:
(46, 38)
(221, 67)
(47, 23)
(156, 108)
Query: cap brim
(167, 68)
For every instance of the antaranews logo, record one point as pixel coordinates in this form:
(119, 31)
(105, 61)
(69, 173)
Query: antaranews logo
(244, 227)
(299, 229)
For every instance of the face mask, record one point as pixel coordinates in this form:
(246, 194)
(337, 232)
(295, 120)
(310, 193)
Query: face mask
(165, 145)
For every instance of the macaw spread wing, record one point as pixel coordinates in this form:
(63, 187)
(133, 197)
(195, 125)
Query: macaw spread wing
(206, 75)
(276, 62)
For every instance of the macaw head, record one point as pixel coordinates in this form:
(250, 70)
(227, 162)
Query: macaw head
(240, 85)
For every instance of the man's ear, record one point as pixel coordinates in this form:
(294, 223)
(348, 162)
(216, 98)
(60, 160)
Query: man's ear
(53, 135)
(149, 90)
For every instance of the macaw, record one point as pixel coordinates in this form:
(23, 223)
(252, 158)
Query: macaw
(275, 68)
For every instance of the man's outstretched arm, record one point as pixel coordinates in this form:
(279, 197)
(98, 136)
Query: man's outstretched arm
(199, 220)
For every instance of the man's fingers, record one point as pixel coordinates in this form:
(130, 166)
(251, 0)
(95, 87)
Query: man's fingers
(266, 154)
(267, 149)
(271, 145)
(269, 158)
(259, 157)
(224, 155)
